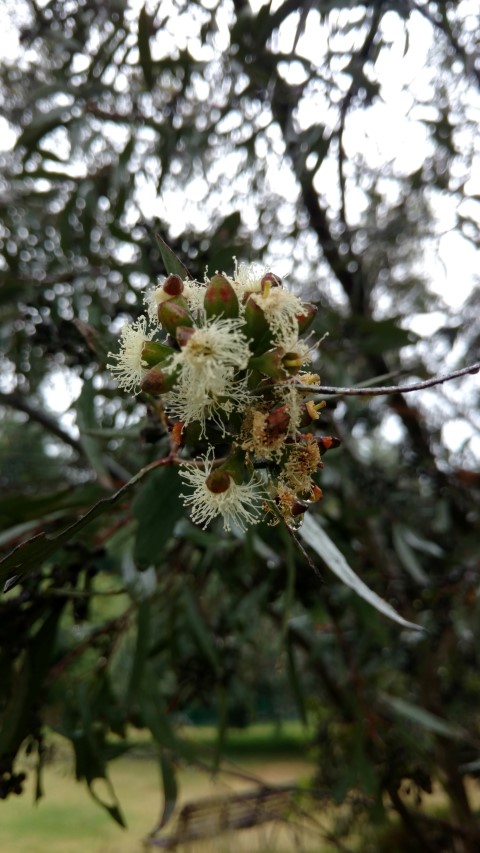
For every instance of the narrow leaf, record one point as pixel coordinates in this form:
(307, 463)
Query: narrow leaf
(424, 718)
(145, 31)
(316, 538)
(170, 260)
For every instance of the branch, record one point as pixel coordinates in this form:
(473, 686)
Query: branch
(333, 391)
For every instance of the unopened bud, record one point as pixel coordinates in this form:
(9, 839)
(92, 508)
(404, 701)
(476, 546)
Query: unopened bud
(269, 363)
(158, 381)
(220, 298)
(154, 352)
(183, 334)
(173, 285)
(256, 327)
(328, 442)
(174, 313)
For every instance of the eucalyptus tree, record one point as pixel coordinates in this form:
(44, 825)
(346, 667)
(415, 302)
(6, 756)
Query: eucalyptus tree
(275, 133)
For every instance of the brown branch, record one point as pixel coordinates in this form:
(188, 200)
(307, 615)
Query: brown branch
(331, 390)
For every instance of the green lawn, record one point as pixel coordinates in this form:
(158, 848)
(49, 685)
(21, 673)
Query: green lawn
(66, 820)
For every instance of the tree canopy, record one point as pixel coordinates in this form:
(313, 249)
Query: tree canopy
(335, 144)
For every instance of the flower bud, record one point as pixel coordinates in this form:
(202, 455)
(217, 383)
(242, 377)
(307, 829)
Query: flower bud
(220, 298)
(306, 318)
(154, 352)
(173, 285)
(158, 381)
(173, 313)
(256, 327)
(269, 363)
(183, 335)
(328, 442)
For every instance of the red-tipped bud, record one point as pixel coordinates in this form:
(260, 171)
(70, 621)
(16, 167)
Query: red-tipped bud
(174, 313)
(158, 381)
(153, 353)
(328, 442)
(218, 481)
(220, 298)
(306, 318)
(173, 285)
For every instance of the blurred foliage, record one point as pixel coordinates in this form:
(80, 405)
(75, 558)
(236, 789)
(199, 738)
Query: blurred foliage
(220, 128)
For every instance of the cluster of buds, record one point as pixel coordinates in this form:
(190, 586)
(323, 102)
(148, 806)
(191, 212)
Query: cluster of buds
(227, 361)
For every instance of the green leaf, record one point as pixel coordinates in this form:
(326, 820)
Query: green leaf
(145, 31)
(407, 556)
(141, 650)
(316, 538)
(170, 791)
(199, 628)
(157, 508)
(86, 420)
(295, 681)
(32, 553)
(424, 718)
(170, 260)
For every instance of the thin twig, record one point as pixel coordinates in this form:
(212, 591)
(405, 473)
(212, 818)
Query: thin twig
(332, 391)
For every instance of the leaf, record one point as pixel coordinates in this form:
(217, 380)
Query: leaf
(199, 628)
(316, 538)
(145, 31)
(141, 651)
(424, 718)
(295, 681)
(157, 508)
(170, 791)
(31, 554)
(86, 420)
(407, 556)
(170, 260)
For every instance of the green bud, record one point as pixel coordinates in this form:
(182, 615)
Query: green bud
(153, 353)
(220, 298)
(256, 327)
(269, 363)
(173, 313)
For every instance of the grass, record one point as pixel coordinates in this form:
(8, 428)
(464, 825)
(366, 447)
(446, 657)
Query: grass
(67, 820)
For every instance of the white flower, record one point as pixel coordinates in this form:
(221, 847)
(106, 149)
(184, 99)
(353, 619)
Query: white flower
(208, 384)
(281, 309)
(240, 505)
(130, 369)
(247, 278)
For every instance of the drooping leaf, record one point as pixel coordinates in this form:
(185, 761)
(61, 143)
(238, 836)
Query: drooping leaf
(424, 718)
(316, 538)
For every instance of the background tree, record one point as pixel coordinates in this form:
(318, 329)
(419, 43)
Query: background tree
(242, 130)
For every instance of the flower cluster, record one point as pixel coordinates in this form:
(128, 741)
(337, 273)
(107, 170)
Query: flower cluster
(227, 359)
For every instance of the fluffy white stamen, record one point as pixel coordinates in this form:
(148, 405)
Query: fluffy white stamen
(240, 505)
(129, 369)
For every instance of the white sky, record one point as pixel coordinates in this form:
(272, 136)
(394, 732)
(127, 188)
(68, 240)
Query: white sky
(390, 130)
